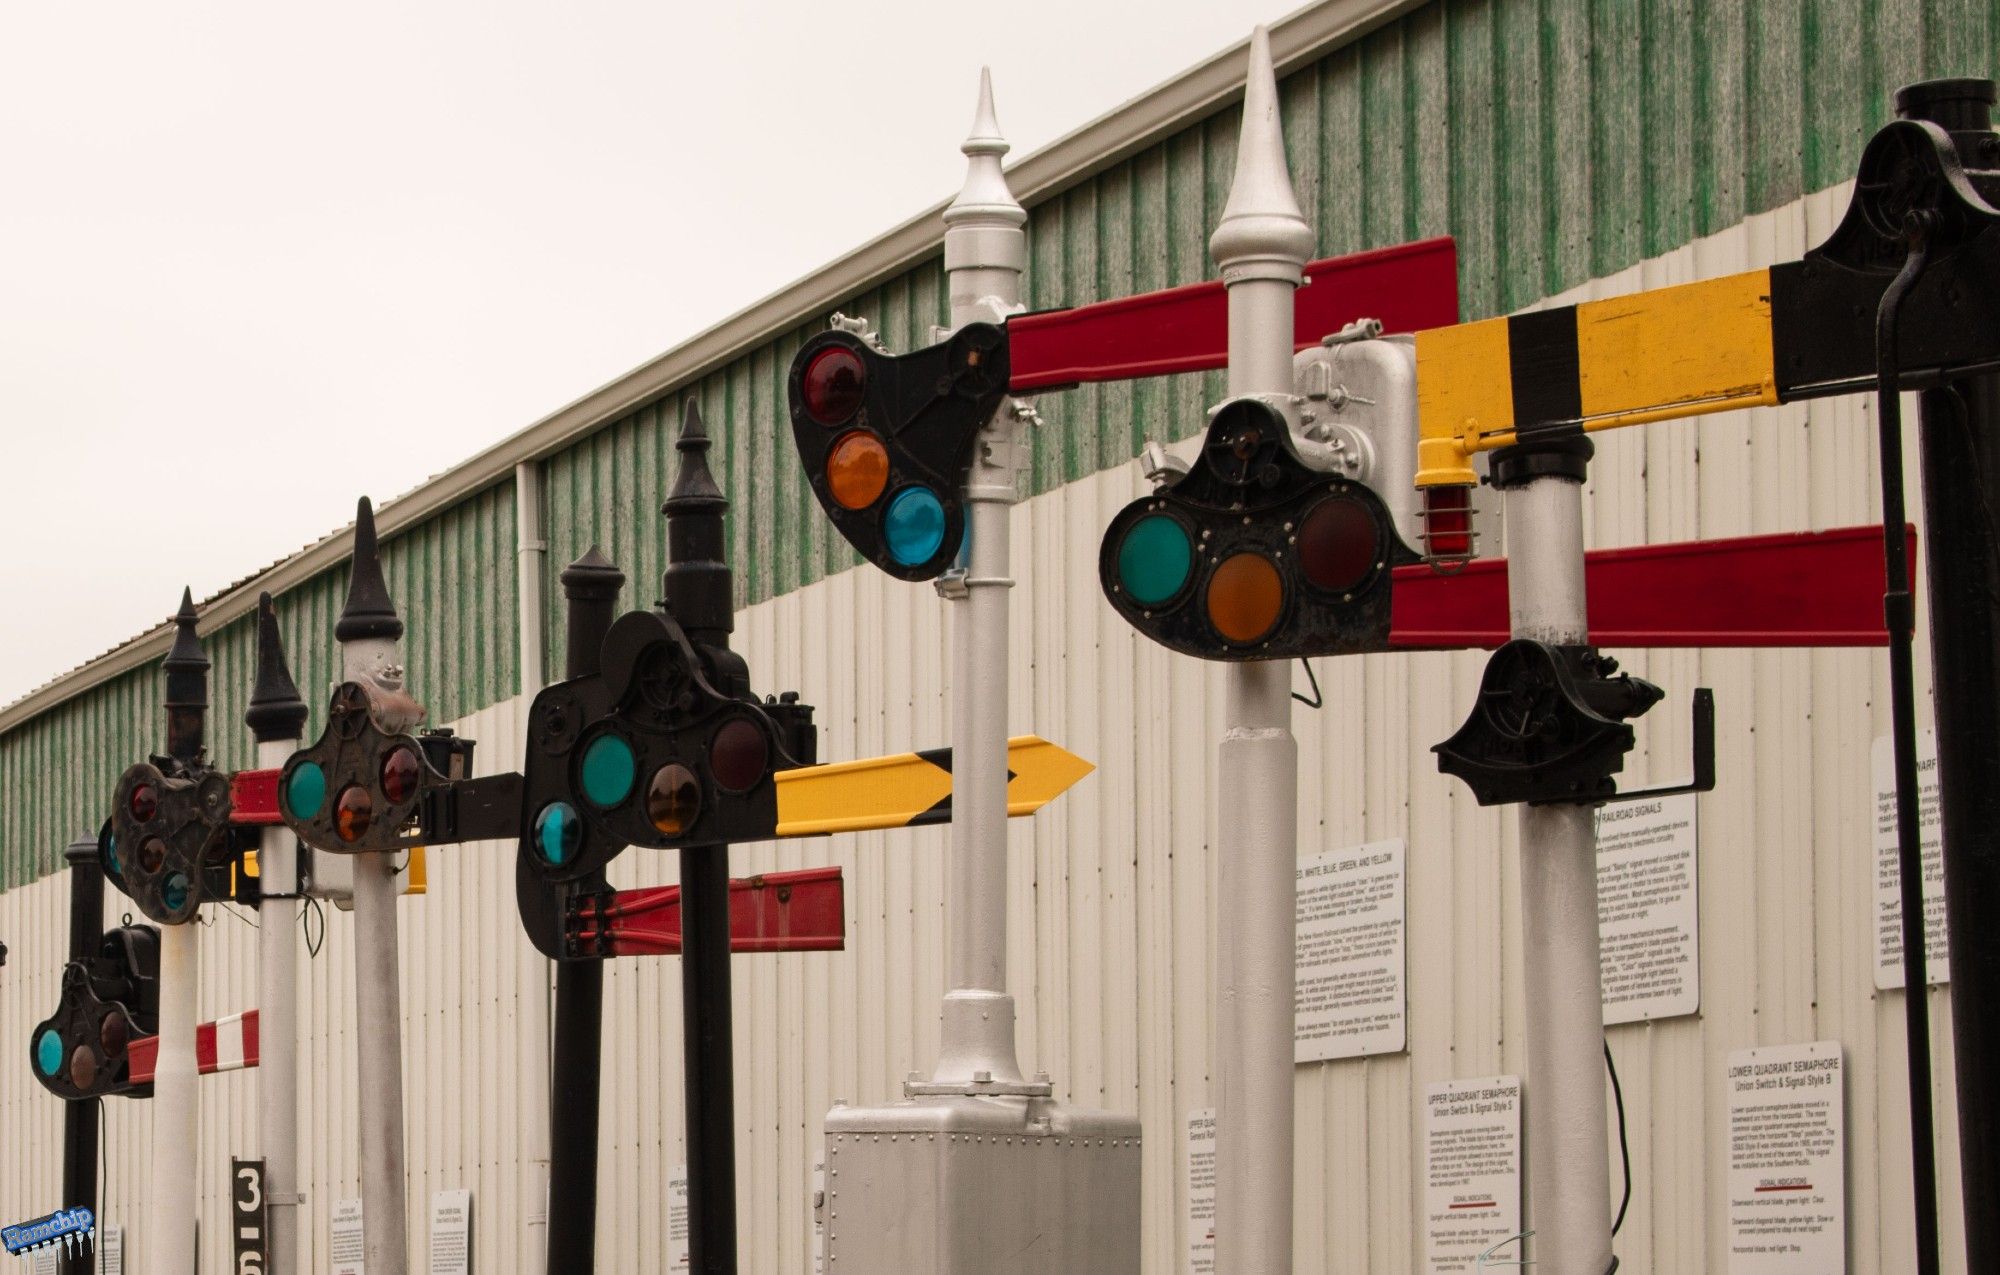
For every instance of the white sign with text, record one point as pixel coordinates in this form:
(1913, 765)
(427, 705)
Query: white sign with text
(1648, 914)
(1472, 1169)
(678, 1258)
(1349, 950)
(345, 1251)
(1787, 1161)
(1889, 879)
(1201, 1191)
(451, 1232)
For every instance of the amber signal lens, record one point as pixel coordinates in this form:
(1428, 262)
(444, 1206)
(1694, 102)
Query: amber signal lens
(83, 1068)
(152, 854)
(673, 800)
(857, 469)
(353, 812)
(1245, 596)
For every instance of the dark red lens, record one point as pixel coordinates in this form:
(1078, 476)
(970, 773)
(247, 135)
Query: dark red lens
(399, 775)
(833, 384)
(145, 802)
(738, 755)
(1337, 544)
(83, 1068)
(152, 854)
(113, 1033)
(1447, 522)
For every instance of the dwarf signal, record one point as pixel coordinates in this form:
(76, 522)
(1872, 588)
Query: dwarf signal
(107, 1001)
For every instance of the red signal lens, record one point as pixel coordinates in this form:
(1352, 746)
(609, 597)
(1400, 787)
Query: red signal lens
(400, 773)
(857, 469)
(673, 800)
(353, 812)
(114, 1033)
(1448, 522)
(144, 802)
(1245, 596)
(833, 385)
(738, 755)
(152, 854)
(1337, 544)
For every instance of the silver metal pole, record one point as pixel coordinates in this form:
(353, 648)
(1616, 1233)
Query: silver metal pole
(278, 1029)
(534, 1002)
(1261, 245)
(1569, 1185)
(985, 253)
(170, 1247)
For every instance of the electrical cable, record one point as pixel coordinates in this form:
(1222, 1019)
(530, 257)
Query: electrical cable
(1624, 1148)
(307, 914)
(1317, 700)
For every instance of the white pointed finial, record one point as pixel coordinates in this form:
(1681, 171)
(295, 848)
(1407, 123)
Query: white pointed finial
(1262, 234)
(985, 199)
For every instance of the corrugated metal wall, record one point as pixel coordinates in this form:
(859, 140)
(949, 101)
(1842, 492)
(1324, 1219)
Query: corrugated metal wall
(1114, 941)
(452, 577)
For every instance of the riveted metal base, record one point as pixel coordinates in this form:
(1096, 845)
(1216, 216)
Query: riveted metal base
(962, 1185)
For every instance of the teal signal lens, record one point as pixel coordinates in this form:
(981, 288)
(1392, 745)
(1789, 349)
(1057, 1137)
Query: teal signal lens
(49, 1052)
(174, 891)
(609, 770)
(305, 790)
(111, 856)
(1154, 560)
(913, 526)
(558, 833)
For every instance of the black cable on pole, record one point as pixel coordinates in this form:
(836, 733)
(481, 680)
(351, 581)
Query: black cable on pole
(1317, 699)
(1899, 612)
(1624, 1148)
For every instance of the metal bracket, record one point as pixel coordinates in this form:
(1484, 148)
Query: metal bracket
(1704, 754)
(1037, 1088)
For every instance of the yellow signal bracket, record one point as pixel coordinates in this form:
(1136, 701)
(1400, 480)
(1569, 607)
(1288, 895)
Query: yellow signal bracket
(416, 876)
(1688, 350)
(907, 790)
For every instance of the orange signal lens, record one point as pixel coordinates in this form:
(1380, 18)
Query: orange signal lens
(857, 469)
(1245, 596)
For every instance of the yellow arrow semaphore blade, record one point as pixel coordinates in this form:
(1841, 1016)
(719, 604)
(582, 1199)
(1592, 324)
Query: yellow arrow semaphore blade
(905, 790)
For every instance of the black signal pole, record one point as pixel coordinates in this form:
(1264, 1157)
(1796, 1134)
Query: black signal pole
(590, 587)
(86, 927)
(1959, 452)
(698, 594)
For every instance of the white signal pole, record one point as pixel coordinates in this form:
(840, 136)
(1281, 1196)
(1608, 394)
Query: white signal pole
(277, 717)
(170, 1248)
(369, 632)
(985, 252)
(1261, 245)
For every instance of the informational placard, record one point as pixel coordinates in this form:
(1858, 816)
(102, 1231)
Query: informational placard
(110, 1249)
(1201, 1192)
(678, 1257)
(247, 1217)
(1472, 1169)
(451, 1232)
(1350, 954)
(344, 1249)
(1648, 914)
(46, 1261)
(1787, 1161)
(819, 1216)
(1888, 877)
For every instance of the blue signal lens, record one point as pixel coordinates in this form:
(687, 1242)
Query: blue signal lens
(49, 1052)
(609, 770)
(305, 790)
(1154, 560)
(558, 833)
(111, 856)
(174, 891)
(913, 526)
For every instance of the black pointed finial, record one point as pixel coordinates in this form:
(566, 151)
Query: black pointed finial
(187, 685)
(590, 587)
(276, 711)
(370, 612)
(698, 586)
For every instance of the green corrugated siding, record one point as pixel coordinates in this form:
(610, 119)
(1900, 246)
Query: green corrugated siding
(453, 580)
(1558, 140)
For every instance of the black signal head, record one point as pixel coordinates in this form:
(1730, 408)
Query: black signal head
(168, 842)
(80, 1050)
(887, 440)
(360, 787)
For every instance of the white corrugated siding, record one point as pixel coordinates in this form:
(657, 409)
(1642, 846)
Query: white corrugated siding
(1113, 937)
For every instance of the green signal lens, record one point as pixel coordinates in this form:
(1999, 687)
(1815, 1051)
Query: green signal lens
(305, 790)
(558, 833)
(609, 771)
(49, 1052)
(174, 891)
(1154, 560)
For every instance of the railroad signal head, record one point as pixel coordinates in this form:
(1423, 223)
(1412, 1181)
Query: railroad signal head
(365, 786)
(650, 752)
(887, 440)
(168, 843)
(1254, 554)
(107, 1000)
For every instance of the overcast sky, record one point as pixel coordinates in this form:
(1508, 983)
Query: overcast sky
(258, 259)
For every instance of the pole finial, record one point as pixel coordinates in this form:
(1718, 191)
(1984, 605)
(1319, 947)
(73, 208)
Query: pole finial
(370, 612)
(985, 199)
(276, 710)
(1262, 233)
(698, 586)
(186, 654)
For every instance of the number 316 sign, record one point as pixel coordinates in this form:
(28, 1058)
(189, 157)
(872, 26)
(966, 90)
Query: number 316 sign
(247, 1217)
